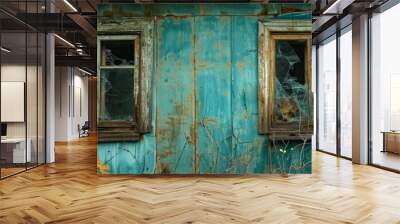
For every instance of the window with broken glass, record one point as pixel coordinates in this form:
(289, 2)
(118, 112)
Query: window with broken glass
(119, 67)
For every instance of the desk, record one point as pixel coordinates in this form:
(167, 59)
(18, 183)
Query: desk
(13, 150)
(391, 141)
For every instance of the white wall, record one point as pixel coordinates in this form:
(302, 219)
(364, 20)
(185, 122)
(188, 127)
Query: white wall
(80, 112)
(61, 103)
(12, 73)
(71, 102)
(17, 73)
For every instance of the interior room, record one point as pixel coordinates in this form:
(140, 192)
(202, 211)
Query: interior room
(227, 111)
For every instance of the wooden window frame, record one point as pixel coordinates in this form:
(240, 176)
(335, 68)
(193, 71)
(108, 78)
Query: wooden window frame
(269, 32)
(139, 30)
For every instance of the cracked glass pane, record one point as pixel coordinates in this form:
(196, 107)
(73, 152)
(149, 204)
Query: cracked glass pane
(118, 52)
(116, 88)
(291, 95)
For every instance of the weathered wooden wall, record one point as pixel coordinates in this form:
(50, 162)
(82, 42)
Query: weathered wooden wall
(205, 104)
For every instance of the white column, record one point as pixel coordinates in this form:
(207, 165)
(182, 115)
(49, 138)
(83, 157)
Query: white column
(50, 94)
(360, 90)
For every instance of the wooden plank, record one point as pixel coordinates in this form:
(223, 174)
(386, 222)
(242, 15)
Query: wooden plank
(213, 78)
(128, 158)
(175, 96)
(262, 80)
(250, 149)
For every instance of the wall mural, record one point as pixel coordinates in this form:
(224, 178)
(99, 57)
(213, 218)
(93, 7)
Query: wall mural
(204, 87)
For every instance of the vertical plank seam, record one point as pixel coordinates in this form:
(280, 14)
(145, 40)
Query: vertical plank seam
(195, 96)
(232, 89)
(154, 94)
(156, 73)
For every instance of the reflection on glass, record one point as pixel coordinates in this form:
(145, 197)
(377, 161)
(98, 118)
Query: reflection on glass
(117, 52)
(22, 69)
(116, 87)
(346, 94)
(327, 96)
(15, 149)
(32, 100)
(291, 94)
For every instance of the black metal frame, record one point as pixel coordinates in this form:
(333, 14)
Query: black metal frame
(44, 70)
(369, 114)
(0, 87)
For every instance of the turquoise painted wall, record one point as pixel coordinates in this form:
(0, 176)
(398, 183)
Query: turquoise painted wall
(205, 86)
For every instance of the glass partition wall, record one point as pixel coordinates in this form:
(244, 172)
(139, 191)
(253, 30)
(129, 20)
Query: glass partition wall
(385, 90)
(326, 88)
(334, 94)
(345, 91)
(22, 77)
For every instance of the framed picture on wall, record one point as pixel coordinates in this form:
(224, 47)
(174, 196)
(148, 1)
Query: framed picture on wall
(285, 94)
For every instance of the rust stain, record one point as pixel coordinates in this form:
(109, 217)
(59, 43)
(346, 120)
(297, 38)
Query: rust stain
(193, 134)
(102, 168)
(165, 154)
(193, 130)
(209, 120)
(241, 66)
(245, 158)
(289, 9)
(165, 169)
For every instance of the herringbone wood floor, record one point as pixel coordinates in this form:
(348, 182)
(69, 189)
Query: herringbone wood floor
(69, 191)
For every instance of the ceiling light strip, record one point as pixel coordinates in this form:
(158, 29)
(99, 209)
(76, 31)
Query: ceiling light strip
(5, 50)
(84, 71)
(331, 7)
(70, 5)
(64, 40)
